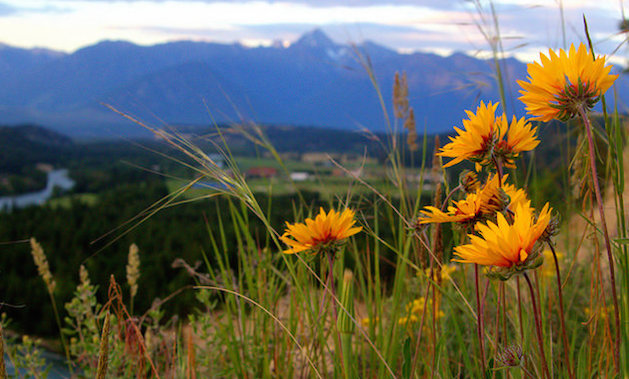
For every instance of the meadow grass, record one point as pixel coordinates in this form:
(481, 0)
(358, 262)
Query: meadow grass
(388, 301)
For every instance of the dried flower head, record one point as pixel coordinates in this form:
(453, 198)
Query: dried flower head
(84, 275)
(409, 124)
(400, 96)
(562, 84)
(133, 269)
(42, 265)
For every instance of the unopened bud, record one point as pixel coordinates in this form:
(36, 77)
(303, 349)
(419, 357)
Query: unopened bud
(469, 181)
(552, 229)
(511, 356)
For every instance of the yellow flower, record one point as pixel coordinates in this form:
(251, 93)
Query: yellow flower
(492, 199)
(520, 137)
(484, 138)
(415, 309)
(446, 271)
(549, 269)
(477, 137)
(485, 201)
(461, 211)
(407, 320)
(321, 233)
(366, 321)
(563, 83)
(502, 244)
(517, 196)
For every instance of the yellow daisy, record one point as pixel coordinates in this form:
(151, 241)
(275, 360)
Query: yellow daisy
(517, 196)
(520, 137)
(484, 138)
(461, 211)
(476, 138)
(485, 201)
(322, 232)
(563, 83)
(492, 198)
(502, 244)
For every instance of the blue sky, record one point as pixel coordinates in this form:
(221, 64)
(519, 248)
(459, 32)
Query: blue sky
(442, 26)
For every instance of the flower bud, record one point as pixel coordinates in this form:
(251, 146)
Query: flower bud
(511, 356)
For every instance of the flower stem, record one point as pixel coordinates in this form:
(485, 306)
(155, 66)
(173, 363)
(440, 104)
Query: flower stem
(479, 319)
(498, 169)
(445, 202)
(538, 327)
(334, 310)
(517, 285)
(610, 258)
(63, 340)
(564, 336)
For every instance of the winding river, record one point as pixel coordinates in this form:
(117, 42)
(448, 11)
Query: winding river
(56, 178)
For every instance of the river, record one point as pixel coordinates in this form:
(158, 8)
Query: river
(56, 178)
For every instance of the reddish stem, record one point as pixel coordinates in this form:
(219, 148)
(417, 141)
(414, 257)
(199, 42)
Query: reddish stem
(564, 336)
(610, 258)
(479, 320)
(538, 327)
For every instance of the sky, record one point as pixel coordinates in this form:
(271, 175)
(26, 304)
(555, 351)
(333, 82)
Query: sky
(525, 27)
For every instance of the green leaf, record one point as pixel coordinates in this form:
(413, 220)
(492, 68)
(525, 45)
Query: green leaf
(408, 358)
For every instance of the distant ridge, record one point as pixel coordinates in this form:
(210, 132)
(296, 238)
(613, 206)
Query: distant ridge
(313, 81)
(25, 145)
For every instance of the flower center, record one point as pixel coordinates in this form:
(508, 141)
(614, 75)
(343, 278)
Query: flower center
(573, 97)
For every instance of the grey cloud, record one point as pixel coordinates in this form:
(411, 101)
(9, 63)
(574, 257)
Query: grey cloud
(391, 36)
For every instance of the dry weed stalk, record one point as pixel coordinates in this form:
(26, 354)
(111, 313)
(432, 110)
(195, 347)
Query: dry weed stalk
(3, 369)
(42, 265)
(133, 272)
(103, 353)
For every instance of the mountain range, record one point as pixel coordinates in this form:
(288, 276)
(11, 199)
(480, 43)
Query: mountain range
(312, 82)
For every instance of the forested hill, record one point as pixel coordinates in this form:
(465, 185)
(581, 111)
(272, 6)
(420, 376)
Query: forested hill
(29, 144)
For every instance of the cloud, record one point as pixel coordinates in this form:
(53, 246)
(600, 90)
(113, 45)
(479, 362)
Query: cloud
(438, 25)
(399, 37)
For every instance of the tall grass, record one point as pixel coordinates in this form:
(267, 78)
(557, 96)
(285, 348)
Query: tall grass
(388, 304)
